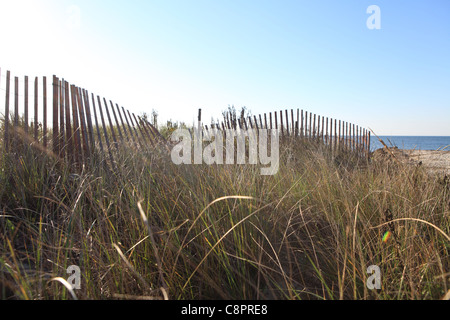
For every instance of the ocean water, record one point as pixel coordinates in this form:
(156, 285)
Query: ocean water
(412, 142)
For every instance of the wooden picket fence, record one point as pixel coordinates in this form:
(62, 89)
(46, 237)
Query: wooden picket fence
(75, 132)
(79, 129)
(337, 134)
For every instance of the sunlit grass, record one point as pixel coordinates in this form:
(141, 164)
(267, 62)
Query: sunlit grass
(156, 230)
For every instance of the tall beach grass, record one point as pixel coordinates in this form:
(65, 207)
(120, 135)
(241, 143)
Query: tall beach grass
(150, 229)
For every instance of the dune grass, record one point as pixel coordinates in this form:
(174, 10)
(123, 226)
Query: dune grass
(154, 230)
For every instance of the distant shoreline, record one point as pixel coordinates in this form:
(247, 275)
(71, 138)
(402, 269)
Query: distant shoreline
(412, 142)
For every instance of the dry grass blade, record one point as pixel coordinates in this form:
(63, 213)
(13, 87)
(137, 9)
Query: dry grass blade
(447, 296)
(198, 217)
(414, 219)
(7, 216)
(65, 284)
(278, 262)
(128, 264)
(386, 147)
(220, 240)
(133, 297)
(155, 251)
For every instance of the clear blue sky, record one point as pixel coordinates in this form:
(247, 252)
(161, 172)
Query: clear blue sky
(178, 56)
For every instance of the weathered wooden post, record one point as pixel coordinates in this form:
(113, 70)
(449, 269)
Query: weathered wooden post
(8, 75)
(44, 119)
(55, 116)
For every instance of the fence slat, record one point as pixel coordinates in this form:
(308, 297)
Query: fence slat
(322, 129)
(345, 133)
(335, 135)
(245, 123)
(44, 116)
(301, 125)
(256, 125)
(110, 124)
(153, 133)
(36, 114)
(117, 121)
(123, 123)
(149, 134)
(144, 134)
(134, 127)
(363, 140)
(354, 138)
(105, 132)
(99, 136)
(287, 123)
(62, 143)
(156, 132)
(16, 112)
(276, 120)
(306, 125)
(143, 129)
(89, 119)
(76, 128)
(314, 127)
(311, 128)
(16, 104)
(318, 128)
(292, 122)
(329, 132)
(360, 140)
(6, 142)
(84, 134)
(281, 123)
(352, 133)
(346, 136)
(145, 124)
(55, 116)
(26, 105)
(270, 116)
(350, 140)
(69, 133)
(132, 134)
(132, 137)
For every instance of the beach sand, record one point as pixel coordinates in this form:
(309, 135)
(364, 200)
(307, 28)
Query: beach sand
(437, 162)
